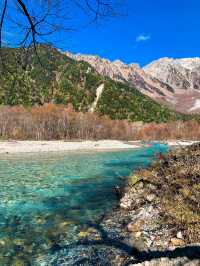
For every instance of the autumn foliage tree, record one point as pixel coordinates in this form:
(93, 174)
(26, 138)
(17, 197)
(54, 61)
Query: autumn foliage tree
(59, 122)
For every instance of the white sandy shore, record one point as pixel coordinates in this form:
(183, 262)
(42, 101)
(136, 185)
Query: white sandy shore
(181, 142)
(56, 146)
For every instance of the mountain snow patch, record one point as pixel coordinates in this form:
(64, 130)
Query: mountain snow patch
(196, 105)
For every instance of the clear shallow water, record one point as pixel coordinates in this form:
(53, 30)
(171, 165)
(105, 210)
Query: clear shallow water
(48, 199)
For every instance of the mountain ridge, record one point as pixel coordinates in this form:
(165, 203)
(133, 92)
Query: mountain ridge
(120, 71)
(52, 77)
(173, 82)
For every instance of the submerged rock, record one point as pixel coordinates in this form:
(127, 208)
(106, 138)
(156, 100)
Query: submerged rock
(87, 256)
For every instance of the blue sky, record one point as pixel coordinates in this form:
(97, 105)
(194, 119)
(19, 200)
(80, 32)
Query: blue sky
(150, 30)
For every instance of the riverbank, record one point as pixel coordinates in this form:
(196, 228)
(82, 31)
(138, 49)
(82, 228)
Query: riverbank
(157, 222)
(18, 146)
(61, 146)
(158, 218)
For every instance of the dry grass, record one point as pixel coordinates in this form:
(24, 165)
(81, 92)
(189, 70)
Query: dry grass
(176, 179)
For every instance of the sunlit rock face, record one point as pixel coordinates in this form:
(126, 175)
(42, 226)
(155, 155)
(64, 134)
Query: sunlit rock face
(174, 82)
(183, 75)
(131, 73)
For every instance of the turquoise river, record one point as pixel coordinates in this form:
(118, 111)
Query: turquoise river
(48, 199)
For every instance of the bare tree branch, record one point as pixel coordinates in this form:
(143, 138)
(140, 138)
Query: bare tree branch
(2, 20)
(32, 29)
(34, 19)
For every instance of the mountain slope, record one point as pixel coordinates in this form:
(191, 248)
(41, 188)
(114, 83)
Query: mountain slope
(184, 76)
(181, 74)
(173, 82)
(28, 78)
(132, 74)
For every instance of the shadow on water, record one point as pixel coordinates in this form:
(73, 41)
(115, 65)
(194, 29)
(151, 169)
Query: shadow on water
(39, 197)
(93, 193)
(191, 252)
(132, 164)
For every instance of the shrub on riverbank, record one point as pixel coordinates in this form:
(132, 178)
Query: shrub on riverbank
(175, 183)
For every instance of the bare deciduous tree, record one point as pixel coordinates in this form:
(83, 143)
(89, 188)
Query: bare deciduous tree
(31, 20)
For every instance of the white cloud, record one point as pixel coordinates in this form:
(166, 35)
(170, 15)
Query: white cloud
(142, 38)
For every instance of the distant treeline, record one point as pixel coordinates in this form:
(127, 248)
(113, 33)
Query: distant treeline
(54, 122)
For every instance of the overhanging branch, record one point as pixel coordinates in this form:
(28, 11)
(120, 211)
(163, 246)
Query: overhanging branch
(2, 20)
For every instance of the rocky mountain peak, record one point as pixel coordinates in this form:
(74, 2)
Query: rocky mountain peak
(181, 74)
(175, 82)
(186, 63)
(131, 73)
